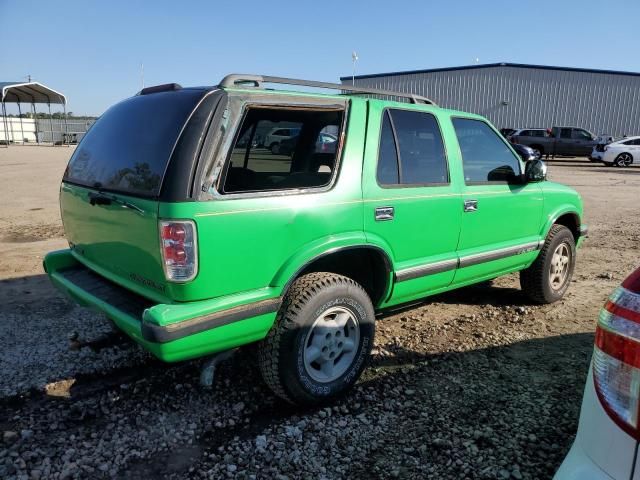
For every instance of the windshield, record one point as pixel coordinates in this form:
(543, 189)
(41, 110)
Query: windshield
(129, 146)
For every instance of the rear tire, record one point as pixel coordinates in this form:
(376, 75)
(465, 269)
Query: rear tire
(548, 278)
(623, 160)
(321, 340)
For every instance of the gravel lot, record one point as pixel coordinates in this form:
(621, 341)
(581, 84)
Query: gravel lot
(475, 383)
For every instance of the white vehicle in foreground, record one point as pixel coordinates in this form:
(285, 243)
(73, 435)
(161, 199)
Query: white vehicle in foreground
(606, 445)
(622, 153)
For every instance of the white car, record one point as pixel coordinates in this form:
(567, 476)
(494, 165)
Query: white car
(275, 136)
(606, 445)
(622, 153)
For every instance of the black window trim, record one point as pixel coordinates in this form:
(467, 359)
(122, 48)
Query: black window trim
(218, 185)
(158, 196)
(385, 111)
(486, 182)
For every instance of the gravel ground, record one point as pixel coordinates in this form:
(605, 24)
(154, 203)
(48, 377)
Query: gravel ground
(475, 383)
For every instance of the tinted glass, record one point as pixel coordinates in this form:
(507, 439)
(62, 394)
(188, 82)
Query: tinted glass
(128, 148)
(302, 160)
(387, 157)
(581, 135)
(485, 155)
(422, 157)
(565, 133)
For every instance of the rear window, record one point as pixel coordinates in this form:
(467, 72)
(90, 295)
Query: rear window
(128, 148)
(305, 156)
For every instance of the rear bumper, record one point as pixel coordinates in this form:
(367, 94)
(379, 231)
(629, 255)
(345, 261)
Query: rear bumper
(172, 332)
(578, 466)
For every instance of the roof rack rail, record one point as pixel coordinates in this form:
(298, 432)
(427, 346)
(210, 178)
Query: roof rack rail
(239, 80)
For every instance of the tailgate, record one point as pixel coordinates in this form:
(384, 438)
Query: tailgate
(119, 239)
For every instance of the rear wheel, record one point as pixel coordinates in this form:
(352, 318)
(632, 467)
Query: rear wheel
(275, 148)
(623, 160)
(548, 278)
(321, 340)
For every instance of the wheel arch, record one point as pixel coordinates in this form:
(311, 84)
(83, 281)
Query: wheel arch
(569, 218)
(369, 265)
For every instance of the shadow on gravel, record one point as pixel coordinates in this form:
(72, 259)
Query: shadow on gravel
(472, 414)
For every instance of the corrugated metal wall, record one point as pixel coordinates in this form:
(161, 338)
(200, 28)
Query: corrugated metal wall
(600, 102)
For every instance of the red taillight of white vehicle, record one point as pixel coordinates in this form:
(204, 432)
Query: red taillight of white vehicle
(179, 250)
(616, 356)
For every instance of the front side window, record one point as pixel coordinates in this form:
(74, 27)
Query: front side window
(280, 149)
(581, 135)
(565, 133)
(485, 156)
(411, 150)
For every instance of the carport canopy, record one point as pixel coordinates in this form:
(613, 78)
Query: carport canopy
(30, 92)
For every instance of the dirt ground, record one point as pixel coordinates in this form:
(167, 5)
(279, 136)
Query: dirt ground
(476, 377)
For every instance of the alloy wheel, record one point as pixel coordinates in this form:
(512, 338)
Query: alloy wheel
(331, 344)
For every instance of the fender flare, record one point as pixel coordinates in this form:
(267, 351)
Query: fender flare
(326, 246)
(556, 214)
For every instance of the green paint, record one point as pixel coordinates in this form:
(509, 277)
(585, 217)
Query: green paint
(250, 248)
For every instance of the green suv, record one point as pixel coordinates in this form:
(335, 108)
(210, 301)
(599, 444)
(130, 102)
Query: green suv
(194, 237)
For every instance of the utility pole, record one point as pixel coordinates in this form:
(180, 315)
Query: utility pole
(354, 59)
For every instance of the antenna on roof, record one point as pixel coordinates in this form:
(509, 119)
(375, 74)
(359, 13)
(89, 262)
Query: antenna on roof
(29, 78)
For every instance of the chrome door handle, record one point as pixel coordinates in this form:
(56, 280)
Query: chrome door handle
(470, 205)
(384, 213)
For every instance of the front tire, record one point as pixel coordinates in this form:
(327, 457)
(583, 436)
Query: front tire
(623, 160)
(548, 278)
(321, 340)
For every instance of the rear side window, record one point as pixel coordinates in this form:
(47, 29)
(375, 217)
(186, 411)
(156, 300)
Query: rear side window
(411, 150)
(129, 146)
(280, 149)
(485, 155)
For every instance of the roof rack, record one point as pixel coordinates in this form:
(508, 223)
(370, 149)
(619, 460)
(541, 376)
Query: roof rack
(239, 80)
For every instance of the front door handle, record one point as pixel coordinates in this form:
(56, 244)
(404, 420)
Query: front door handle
(384, 213)
(470, 205)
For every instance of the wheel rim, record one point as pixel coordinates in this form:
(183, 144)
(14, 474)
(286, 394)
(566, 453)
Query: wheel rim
(537, 153)
(625, 159)
(331, 344)
(559, 270)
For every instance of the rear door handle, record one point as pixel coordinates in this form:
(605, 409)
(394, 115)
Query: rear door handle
(384, 213)
(470, 205)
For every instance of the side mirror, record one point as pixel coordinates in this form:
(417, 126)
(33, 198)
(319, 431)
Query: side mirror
(535, 171)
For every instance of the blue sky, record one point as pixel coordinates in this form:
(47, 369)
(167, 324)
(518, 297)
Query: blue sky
(92, 51)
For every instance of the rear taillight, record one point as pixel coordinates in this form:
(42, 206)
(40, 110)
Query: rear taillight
(616, 356)
(179, 250)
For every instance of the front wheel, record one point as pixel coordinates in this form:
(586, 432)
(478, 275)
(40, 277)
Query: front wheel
(321, 340)
(548, 278)
(623, 160)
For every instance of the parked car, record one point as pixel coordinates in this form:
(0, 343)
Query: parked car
(622, 153)
(526, 153)
(276, 136)
(606, 445)
(602, 141)
(325, 143)
(572, 141)
(193, 247)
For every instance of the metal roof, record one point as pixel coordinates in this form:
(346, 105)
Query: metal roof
(29, 92)
(490, 65)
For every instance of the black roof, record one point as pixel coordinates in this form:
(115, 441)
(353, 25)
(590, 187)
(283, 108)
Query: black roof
(489, 65)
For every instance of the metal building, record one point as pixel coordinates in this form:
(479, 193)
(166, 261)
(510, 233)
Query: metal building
(517, 95)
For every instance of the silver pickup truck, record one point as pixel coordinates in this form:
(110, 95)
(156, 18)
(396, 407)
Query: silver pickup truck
(572, 141)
